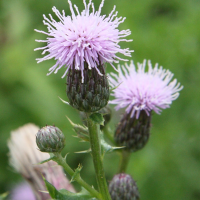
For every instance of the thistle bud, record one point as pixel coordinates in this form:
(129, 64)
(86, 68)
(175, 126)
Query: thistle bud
(50, 139)
(89, 95)
(123, 187)
(133, 133)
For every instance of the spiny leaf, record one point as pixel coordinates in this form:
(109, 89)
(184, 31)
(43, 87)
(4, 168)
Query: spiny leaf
(66, 195)
(86, 151)
(76, 173)
(105, 147)
(81, 131)
(47, 160)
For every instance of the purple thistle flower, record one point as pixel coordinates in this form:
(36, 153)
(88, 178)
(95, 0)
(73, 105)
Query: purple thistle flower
(139, 90)
(83, 37)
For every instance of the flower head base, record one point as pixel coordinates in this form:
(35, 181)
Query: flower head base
(90, 96)
(139, 90)
(85, 37)
(133, 133)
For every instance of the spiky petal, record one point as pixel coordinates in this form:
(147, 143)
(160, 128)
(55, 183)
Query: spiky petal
(139, 90)
(85, 36)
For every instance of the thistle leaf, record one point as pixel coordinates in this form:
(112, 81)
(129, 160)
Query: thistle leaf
(66, 195)
(76, 173)
(81, 131)
(105, 147)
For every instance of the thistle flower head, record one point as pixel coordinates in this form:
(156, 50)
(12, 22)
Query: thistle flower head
(85, 36)
(143, 90)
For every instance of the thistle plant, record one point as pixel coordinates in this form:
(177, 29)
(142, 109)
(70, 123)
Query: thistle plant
(85, 44)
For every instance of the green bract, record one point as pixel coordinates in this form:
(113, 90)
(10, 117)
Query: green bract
(133, 133)
(90, 95)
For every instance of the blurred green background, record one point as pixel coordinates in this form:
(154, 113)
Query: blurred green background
(167, 32)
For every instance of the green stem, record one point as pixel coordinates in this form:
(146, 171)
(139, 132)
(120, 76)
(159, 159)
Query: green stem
(107, 132)
(61, 161)
(94, 133)
(125, 156)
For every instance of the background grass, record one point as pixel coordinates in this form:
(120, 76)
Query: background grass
(166, 32)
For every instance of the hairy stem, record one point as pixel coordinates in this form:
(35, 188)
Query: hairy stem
(94, 133)
(61, 161)
(125, 156)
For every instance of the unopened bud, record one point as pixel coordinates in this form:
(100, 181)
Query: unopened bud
(133, 133)
(90, 95)
(123, 187)
(50, 139)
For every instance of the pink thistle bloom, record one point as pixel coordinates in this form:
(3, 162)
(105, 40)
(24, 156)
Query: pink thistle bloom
(83, 37)
(138, 90)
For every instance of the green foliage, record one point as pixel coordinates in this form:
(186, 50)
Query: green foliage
(76, 173)
(3, 196)
(66, 195)
(106, 147)
(81, 131)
